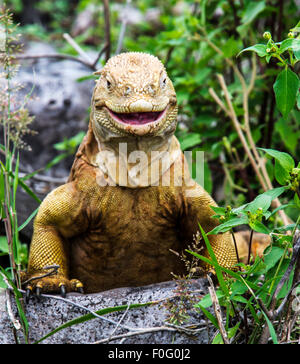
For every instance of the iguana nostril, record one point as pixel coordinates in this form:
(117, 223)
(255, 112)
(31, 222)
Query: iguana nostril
(67, 102)
(52, 102)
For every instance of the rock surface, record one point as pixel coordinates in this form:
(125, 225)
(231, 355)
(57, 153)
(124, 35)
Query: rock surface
(50, 313)
(59, 102)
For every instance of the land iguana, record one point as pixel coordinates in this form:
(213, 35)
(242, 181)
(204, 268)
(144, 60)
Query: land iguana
(115, 220)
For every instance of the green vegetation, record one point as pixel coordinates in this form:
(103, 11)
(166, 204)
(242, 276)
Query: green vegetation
(235, 68)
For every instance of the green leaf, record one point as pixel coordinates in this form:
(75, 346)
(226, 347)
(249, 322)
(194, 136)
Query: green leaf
(259, 227)
(271, 328)
(2, 193)
(286, 87)
(282, 175)
(218, 210)
(293, 44)
(275, 192)
(285, 160)
(297, 200)
(225, 270)
(206, 300)
(231, 333)
(288, 136)
(252, 10)
(298, 100)
(228, 225)
(271, 259)
(264, 200)
(260, 49)
(231, 47)
(3, 244)
(21, 249)
(238, 288)
(208, 183)
(189, 141)
(24, 186)
(215, 261)
(70, 144)
(218, 339)
(241, 299)
(15, 183)
(281, 207)
(25, 223)
(210, 316)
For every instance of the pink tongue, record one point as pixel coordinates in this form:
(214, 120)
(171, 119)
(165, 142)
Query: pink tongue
(139, 117)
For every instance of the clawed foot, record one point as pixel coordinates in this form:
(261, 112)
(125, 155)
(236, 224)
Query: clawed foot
(37, 283)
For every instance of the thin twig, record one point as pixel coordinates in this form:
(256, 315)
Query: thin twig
(57, 56)
(250, 246)
(122, 30)
(66, 300)
(40, 177)
(235, 247)
(142, 331)
(286, 298)
(107, 29)
(217, 310)
(257, 162)
(239, 130)
(16, 323)
(119, 322)
(52, 272)
(77, 48)
(99, 56)
(135, 333)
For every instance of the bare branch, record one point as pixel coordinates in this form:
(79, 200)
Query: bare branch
(217, 310)
(123, 29)
(77, 48)
(107, 29)
(56, 56)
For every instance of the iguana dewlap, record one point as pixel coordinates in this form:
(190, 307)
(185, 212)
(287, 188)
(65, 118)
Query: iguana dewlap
(115, 220)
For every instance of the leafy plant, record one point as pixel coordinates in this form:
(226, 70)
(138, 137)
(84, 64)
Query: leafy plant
(257, 292)
(14, 121)
(263, 289)
(287, 52)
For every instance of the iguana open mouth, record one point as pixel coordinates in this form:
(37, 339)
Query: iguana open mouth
(137, 118)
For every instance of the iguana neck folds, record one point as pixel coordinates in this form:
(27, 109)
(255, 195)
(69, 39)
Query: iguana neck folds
(134, 102)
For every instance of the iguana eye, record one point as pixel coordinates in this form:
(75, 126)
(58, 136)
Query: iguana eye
(108, 84)
(163, 82)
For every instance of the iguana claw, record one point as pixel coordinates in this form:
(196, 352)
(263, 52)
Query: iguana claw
(63, 290)
(37, 284)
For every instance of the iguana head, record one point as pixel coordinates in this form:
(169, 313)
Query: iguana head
(133, 96)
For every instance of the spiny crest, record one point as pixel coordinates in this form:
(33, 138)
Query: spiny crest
(131, 60)
(133, 68)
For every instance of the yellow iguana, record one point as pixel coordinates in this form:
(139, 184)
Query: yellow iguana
(113, 224)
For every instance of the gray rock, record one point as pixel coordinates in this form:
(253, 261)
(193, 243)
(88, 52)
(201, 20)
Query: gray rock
(50, 313)
(59, 103)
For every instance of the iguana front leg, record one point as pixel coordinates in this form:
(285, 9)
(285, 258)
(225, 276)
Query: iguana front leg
(59, 218)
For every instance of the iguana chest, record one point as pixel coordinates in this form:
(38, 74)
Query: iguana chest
(129, 239)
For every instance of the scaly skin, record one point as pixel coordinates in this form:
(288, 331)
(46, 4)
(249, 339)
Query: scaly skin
(103, 233)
